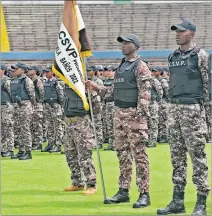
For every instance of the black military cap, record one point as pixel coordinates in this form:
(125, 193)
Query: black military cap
(3, 67)
(98, 68)
(184, 25)
(109, 67)
(47, 69)
(165, 68)
(156, 69)
(89, 68)
(20, 65)
(33, 68)
(130, 38)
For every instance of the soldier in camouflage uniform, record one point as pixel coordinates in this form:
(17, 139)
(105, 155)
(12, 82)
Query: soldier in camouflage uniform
(131, 93)
(208, 105)
(53, 101)
(7, 135)
(37, 118)
(44, 125)
(97, 106)
(188, 91)
(23, 98)
(109, 112)
(156, 96)
(78, 144)
(104, 119)
(163, 114)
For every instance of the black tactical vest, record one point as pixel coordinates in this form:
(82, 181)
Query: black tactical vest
(73, 105)
(18, 89)
(50, 92)
(154, 94)
(108, 82)
(210, 76)
(5, 96)
(125, 84)
(185, 84)
(37, 91)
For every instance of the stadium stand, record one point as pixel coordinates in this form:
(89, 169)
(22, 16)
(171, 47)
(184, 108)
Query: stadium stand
(35, 27)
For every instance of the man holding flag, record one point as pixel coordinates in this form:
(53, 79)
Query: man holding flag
(79, 136)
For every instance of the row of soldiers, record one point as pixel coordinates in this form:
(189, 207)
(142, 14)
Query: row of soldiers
(32, 109)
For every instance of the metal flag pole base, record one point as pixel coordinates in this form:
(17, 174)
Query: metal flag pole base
(95, 135)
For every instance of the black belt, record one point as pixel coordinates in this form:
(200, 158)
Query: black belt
(51, 101)
(184, 100)
(122, 104)
(109, 100)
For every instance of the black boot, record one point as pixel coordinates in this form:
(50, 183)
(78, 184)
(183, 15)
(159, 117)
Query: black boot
(47, 148)
(27, 156)
(176, 206)
(55, 149)
(18, 155)
(143, 201)
(200, 207)
(121, 196)
(109, 148)
(38, 147)
(151, 144)
(7, 154)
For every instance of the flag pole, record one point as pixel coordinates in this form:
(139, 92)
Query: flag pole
(95, 134)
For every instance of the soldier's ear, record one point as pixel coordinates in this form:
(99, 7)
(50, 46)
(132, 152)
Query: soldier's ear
(192, 34)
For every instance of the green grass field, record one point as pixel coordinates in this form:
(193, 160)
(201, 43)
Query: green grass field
(35, 187)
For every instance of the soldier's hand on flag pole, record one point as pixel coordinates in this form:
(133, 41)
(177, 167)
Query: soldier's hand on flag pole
(91, 85)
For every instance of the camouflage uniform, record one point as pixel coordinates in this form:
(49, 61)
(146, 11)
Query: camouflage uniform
(7, 122)
(130, 143)
(37, 118)
(109, 122)
(187, 130)
(104, 122)
(208, 112)
(163, 113)
(78, 145)
(53, 117)
(109, 118)
(23, 114)
(44, 124)
(97, 111)
(153, 109)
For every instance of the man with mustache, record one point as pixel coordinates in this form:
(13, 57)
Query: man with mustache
(188, 92)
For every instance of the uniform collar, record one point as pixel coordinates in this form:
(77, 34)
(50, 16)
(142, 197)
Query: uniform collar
(188, 50)
(132, 59)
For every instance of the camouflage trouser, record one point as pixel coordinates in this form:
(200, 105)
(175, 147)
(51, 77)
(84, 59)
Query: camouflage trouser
(97, 113)
(24, 117)
(45, 129)
(104, 122)
(187, 134)
(153, 121)
(78, 145)
(37, 128)
(16, 125)
(53, 119)
(109, 122)
(7, 135)
(131, 144)
(208, 112)
(163, 121)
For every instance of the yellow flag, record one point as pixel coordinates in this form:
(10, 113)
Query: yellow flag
(72, 47)
(5, 45)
